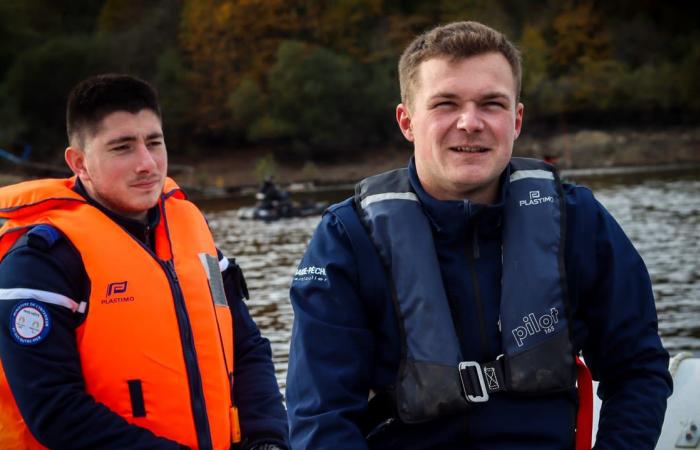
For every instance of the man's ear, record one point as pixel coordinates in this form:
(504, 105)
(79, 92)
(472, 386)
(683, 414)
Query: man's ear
(519, 110)
(75, 158)
(403, 118)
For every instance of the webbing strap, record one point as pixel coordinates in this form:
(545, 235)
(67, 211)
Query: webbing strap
(584, 416)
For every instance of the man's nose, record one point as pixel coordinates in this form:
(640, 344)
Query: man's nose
(146, 160)
(470, 119)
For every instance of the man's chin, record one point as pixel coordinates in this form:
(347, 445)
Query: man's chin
(141, 206)
(467, 176)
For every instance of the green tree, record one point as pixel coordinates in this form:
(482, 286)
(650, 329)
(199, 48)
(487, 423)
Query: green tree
(175, 100)
(579, 32)
(600, 86)
(319, 100)
(140, 33)
(226, 41)
(489, 12)
(535, 63)
(688, 80)
(247, 105)
(25, 24)
(40, 80)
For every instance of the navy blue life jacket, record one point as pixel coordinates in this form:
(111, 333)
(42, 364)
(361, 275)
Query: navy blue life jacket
(538, 357)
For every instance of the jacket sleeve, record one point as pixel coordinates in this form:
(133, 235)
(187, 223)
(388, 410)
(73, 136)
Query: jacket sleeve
(262, 417)
(623, 348)
(332, 347)
(45, 378)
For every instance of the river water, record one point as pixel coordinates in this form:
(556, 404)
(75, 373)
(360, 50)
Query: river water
(661, 215)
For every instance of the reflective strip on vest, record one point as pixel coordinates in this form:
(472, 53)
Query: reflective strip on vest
(42, 296)
(522, 174)
(388, 196)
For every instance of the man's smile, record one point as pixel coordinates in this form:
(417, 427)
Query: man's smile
(469, 149)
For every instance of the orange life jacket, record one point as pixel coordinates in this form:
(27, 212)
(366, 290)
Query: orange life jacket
(153, 320)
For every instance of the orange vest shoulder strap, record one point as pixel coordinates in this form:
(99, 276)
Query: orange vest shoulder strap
(24, 199)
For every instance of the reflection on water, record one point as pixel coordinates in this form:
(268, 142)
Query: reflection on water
(661, 217)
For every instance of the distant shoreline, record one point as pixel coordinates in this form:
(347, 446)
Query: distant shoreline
(584, 151)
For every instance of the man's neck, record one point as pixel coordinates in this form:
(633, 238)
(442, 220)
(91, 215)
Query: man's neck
(140, 229)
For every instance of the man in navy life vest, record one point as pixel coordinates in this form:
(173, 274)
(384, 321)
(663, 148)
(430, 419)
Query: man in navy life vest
(121, 324)
(458, 293)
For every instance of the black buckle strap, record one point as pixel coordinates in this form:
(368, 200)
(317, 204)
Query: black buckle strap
(480, 380)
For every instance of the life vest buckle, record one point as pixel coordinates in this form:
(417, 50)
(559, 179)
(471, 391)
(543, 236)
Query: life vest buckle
(473, 377)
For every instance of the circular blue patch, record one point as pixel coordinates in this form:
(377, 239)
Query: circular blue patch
(30, 323)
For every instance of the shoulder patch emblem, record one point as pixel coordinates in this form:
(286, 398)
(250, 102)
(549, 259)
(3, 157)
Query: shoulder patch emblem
(310, 273)
(30, 323)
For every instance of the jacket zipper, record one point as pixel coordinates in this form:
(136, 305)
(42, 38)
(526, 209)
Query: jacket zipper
(194, 378)
(473, 255)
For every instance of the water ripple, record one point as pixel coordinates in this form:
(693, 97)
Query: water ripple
(269, 254)
(662, 219)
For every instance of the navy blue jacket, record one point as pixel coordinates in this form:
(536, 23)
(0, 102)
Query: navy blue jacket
(46, 378)
(345, 339)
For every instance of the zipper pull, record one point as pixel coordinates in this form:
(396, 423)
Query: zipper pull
(235, 426)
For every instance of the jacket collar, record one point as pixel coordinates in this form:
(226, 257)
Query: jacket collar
(454, 216)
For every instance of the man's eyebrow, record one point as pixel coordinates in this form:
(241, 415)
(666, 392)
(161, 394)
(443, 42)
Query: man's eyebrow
(130, 138)
(491, 95)
(495, 95)
(121, 139)
(155, 135)
(446, 95)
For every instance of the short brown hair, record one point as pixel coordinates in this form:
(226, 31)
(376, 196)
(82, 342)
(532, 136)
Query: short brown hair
(94, 98)
(455, 40)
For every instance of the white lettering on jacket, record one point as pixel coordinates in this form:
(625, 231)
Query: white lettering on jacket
(533, 325)
(310, 273)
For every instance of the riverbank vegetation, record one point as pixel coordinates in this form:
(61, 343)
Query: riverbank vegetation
(315, 81)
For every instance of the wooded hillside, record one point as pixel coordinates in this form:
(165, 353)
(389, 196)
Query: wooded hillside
(317, 79)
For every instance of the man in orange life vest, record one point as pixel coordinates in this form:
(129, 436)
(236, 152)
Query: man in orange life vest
(117, 312)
